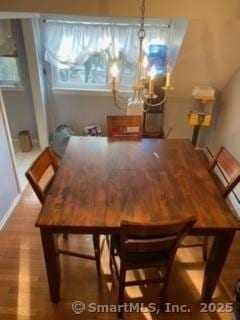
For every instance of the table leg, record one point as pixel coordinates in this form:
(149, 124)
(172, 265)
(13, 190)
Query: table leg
(215, 263)
(51, 255)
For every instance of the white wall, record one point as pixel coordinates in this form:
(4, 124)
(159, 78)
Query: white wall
(219, 9)
(226, 130)
(82, 110)
(226, 127)
(209, 56)
(19, 103)
(8, 186)
(20, 113)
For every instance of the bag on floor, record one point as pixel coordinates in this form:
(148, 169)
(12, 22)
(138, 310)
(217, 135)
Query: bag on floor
(60, 139)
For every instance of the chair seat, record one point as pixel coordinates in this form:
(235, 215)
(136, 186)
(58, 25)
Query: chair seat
(143, 259)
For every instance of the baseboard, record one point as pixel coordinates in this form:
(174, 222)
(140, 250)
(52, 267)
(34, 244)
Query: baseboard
(9, 211)
(200, 148)
(208, 153)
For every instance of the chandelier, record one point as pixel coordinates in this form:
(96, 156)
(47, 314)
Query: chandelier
(143, 96)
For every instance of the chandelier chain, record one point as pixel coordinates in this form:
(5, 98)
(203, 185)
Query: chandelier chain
(142, 18)
(141, 32)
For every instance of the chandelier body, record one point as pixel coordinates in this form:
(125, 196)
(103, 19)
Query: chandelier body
(143, 97)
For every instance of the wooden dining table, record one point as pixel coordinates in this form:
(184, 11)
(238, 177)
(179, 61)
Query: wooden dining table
(101, 182)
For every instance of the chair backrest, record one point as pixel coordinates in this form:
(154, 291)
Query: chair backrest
(229, 168)
(37, 170)
(163, 238)
(125, 126)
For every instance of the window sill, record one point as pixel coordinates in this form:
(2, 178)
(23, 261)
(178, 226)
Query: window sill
(87, 92)
(11, 88)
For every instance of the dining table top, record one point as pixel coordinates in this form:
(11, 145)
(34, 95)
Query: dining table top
(103, 181)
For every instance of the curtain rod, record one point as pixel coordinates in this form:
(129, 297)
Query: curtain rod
(107, 23)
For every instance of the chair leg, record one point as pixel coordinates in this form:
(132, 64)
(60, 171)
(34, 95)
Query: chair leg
(163, 299)
(65, 236)
(205, 248)
(96, 245)
(164, 289)
(108, 238)
(111, 252)
(121, 291)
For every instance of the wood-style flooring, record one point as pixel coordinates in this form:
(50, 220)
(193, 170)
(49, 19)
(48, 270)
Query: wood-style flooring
(24, 288)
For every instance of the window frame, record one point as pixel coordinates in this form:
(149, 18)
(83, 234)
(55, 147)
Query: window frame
(8, 84)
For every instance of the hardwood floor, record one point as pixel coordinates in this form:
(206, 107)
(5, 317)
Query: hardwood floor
(24, 290)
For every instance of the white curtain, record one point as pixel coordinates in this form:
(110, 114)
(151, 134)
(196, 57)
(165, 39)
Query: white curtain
(68, 44)
(7, 43)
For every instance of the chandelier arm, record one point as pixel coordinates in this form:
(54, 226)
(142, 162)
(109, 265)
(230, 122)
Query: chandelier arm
(144, 103)
(120, 99)
(115, 100)
(146, 109)
(157, 104)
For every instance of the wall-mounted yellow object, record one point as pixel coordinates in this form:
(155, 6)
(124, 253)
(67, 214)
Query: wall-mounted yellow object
(199, 119)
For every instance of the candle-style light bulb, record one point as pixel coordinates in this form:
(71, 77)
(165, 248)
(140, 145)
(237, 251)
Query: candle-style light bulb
(144, 67)
(152, 75)
(168, 76)
(153, 72)
(114, 70)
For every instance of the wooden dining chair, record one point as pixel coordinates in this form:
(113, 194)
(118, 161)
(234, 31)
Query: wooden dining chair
(40, 180)
(142, 246)
(229, 169)
(35, 174)
(125, 126)
(225, 170)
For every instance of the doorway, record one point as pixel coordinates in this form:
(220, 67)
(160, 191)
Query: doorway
(17, 96)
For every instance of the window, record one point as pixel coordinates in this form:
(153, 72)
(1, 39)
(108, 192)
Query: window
(9, 74)
(81, 54)
(94, 74)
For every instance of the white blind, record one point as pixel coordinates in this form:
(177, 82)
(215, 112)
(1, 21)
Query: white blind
(7, 43)
(73, 43)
